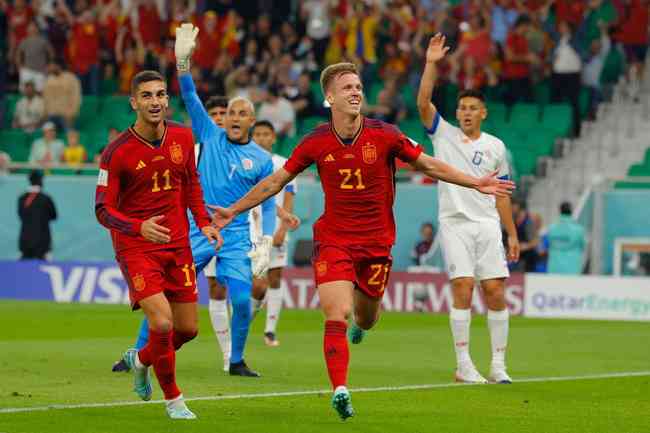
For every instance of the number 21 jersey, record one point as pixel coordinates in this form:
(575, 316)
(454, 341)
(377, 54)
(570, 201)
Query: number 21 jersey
(358, 180)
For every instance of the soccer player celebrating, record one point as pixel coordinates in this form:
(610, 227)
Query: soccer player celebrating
(147, 180)
(353, 238)
(470, 223)
(264, 135)
(230, 165)
(216, 106)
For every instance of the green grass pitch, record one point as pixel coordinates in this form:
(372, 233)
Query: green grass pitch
(61, 354)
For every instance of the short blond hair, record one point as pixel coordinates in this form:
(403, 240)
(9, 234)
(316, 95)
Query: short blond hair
(334, 71)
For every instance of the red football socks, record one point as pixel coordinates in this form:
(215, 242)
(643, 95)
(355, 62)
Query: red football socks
(160, 353)
(337, 354)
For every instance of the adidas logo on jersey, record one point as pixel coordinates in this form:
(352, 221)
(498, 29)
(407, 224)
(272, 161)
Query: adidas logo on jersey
(329, 158)
(140, 165)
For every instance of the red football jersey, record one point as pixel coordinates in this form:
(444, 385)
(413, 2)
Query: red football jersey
(138, 181)
(358, 180)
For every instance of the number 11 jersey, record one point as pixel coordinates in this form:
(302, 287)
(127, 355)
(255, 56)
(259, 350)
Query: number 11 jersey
(138, 180)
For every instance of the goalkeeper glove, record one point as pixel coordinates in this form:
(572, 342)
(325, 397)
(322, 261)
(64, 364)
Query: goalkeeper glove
(261, 256)
(185, 43)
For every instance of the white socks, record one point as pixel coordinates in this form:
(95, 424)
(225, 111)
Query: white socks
(498, 324)
(221, 324)
(459, 320)
(273, 307)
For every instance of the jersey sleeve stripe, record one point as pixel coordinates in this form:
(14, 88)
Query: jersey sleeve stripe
(107, 154)
(434, 125)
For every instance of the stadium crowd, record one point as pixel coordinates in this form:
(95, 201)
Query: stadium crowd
(54, 51)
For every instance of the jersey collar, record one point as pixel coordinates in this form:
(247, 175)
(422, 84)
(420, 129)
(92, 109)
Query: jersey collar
(147, 142)
(356, 135)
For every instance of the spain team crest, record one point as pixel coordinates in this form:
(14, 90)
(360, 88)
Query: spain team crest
(321, 268)
(139, 283)
(369, 153)
(176, 153)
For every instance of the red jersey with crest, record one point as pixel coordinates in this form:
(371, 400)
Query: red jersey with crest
(358, 180)
(138, 180)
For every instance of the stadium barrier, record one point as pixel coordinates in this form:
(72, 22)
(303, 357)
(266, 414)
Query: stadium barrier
(587, 297)
(531, 295)
(102, 282)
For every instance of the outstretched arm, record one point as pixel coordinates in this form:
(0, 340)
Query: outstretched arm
(435, 52)
(437, 169)
(271, 185)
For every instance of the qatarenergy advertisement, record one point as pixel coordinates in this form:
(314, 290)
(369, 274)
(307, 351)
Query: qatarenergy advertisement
(587, 297)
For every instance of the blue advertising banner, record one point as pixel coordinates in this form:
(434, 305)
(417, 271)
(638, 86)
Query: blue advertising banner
(83, 282)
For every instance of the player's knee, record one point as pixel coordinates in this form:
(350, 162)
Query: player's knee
(366, 323)
(217, 291)
(160, 324)
(339, 313)
(274, 279)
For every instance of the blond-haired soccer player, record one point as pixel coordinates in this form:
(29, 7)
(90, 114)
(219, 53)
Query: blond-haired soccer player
(470, 223)
(353, 238)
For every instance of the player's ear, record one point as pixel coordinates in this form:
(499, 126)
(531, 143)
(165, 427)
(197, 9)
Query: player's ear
(134, 106)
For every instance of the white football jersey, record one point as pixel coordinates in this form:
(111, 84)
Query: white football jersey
(479, 157)
(255, 215)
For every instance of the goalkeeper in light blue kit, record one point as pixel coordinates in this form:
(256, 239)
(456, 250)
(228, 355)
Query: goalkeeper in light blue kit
(229, 164)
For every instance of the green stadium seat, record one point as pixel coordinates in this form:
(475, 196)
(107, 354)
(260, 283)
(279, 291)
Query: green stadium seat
(11, 100)
(88, 113)
(17, 143)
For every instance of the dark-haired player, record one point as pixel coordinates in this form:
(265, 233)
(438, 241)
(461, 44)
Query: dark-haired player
(147, 181)
(470, 223)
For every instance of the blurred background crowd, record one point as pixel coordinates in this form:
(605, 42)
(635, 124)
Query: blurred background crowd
(56, 53)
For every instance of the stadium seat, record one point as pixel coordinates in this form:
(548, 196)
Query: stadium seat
(11, 100)
(17, 143)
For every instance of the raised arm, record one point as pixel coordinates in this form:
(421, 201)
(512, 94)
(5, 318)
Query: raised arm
(435, 51)
(202, 124)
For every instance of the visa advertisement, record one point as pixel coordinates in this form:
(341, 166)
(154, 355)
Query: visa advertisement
(90, 282)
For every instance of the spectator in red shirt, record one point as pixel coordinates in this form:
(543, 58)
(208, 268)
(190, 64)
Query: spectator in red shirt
(476, 41)
(633, 32)
(83, 51)
(207, 51)
(570, 11)
(19, 16)
(516, 67)
(150, 24)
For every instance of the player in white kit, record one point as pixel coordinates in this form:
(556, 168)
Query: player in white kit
(470, 222)
(264, 135)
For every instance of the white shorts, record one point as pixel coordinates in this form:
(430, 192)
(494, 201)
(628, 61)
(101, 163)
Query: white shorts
(473, 249)
(210, 269)
(279, 256)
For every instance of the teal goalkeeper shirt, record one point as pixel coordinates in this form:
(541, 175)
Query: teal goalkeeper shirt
(566, 239)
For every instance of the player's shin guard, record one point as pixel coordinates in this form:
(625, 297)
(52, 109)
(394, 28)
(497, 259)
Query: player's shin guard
(273, 308)
(181, 338)
(239, 292)
(337, 354)
(498, 324)
(460, 320)
(143, 334)
(160, 353)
